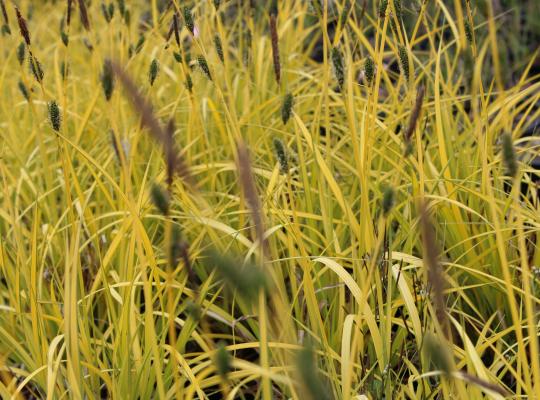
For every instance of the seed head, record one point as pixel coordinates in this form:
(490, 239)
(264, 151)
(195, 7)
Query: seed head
(398, 9)
(469, 31)
(154, 71)
(219, 47)
(369, 69)
(23, 27)
(160, 198)
(216, 3)
(388, 200)
(36, 68)
(83, 14)
(4, 12)
(21, 53)
(223, 361)
(54, 115)
(6, 30)
(509, 155)
(107, 79)
(404, 61)
(188, 20)
(65, 38)
(383, 5)
(339, 66)
(189, 83)
(275, 47)
(203, 65)
(281, 155)
(107, 11)
(286, 107)
(24, 91)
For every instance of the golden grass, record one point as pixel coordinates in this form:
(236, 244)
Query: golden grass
(303, 274)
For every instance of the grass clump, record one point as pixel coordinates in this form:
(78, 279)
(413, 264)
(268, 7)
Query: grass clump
(266, 200)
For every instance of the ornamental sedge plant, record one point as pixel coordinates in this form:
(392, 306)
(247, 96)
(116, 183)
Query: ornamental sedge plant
(299, 200)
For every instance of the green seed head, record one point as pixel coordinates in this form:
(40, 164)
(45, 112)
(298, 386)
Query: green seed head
(286, 107)
(369, 69)
(219, 47)
(160, 198)
(203, 65)
(404, 61)
(36, 68)
(222, 361)
(469, 31)
(383, 5)
(388, 200)
(24, 91)
(281, 155)
(21, 53)
(54, 115)
(339, 66)
(188, 19)
(107, 80)
(154, 71)
(216, 3)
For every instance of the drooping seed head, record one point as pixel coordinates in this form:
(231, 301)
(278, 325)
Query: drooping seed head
(286, 107)
(188, 20)
(160, 198)
(153, 72)
(107, 80)
(36, 68)
(369, 69)
(203, 65)
(509, 155)
(281, 155)
(23, 27)
(65, 38)
(83, 14)
(388, 200)
(24, 91)
(21, 53)
(219, 47)
(189, 83)
(55, 117)
(4, 12)
(222, 361)
(339, 66)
